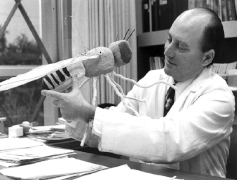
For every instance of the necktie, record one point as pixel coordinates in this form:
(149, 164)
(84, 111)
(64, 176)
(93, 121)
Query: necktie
(169, 100)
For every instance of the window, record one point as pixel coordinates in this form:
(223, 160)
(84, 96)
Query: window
(19, 53)
(18, 46)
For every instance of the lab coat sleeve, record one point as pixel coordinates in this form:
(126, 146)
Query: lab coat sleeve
(77, 129)
(205, 122)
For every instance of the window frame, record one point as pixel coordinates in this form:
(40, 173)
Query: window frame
(56, 37)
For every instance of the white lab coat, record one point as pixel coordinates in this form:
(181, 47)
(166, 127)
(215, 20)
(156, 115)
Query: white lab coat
(195, 132)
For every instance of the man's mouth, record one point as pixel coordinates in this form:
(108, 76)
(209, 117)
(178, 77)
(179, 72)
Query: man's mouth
(167, 61)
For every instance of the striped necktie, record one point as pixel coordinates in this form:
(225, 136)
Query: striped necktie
(169, 100)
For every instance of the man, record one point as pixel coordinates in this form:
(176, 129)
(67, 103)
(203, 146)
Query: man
(195, 132)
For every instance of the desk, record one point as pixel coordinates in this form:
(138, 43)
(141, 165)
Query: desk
(113, 162)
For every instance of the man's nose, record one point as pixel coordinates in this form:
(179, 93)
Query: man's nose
(169, 50)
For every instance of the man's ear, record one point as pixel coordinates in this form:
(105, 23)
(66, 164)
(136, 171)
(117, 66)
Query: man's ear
(208, 57)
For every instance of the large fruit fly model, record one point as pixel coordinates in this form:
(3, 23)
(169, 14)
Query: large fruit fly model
(98, 61)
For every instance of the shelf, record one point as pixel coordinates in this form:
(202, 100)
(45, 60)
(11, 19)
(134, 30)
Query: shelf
(152, 38)
(159, 37)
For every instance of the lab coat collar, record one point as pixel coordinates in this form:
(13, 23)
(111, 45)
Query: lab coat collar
(194, 86)
(198, 81)
(181, 86)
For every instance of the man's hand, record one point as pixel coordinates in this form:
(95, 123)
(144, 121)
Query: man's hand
(72, 104)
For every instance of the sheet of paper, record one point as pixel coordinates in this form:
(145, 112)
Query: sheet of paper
(17, 143)
(38, 153)
(140, 175)
(122, 172)
(7, 164)
(47, 128)
(51, 168)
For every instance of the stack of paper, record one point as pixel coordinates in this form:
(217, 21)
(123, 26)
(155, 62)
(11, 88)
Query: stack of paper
(33, 154)
(117, 173)
(52, 168)
(19, 151)
(47, 133)
(54, 164)
(45, 129)
(123, 172)
(17, 143)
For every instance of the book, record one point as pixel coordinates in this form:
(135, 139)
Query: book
(158, 62)
(214, 5)
(145, 16)
(224, 10)
(155, 15)
(164, 12)
(180, 6)
(208, 4)
(168, 11)
(235, 1)
(173, 11)
(231, 10)
(151, 63)
(150, 14)
(164, 15)
(199, 3)
(220, 9)
(191, 4)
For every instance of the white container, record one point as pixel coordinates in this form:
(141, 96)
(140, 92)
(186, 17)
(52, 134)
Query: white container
(15, 131)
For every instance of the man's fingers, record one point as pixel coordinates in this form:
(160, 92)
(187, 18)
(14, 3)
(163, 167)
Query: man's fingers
(64, 86)
(56, 103)
(75, 84)
(51, 93)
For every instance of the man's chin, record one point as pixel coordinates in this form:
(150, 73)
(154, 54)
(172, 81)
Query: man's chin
(167, 71)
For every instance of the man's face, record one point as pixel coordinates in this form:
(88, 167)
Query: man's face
(183, 56)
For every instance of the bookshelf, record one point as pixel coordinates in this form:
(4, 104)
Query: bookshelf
(152, 43)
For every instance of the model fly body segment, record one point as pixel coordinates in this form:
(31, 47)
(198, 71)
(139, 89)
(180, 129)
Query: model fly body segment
(101, 60)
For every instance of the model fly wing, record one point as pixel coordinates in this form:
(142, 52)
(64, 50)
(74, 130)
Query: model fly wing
(37, 73)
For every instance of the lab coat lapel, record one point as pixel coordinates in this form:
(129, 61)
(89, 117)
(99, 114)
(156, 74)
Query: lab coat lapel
(189, 91)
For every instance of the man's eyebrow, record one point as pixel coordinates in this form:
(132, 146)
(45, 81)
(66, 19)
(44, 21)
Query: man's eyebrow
(183, 43)
(179, 41)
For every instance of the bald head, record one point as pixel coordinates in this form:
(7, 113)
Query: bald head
(193, 42)
(194, 16)
(207, 22)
